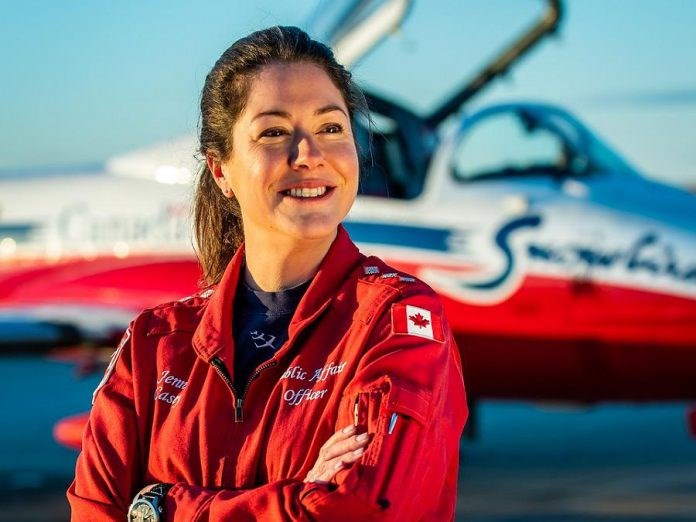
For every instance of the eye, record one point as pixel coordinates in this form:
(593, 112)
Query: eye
(275, 132)
(333, 128)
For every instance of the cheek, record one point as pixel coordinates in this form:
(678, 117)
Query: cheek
(346, 157)
(353, 166)
(257, 173)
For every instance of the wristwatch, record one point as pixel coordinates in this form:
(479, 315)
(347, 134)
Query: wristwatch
(148, 504)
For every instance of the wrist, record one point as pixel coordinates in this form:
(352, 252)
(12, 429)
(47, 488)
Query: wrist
(148, 504)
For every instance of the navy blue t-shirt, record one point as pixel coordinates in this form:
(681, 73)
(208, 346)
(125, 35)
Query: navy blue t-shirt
(260, 326)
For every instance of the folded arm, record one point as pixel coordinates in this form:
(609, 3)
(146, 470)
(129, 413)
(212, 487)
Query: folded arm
(408, 394)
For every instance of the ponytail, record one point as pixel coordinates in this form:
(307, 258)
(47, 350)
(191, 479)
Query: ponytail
(218, 226)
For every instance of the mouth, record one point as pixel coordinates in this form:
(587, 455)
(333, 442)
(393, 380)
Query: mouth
(314, 193)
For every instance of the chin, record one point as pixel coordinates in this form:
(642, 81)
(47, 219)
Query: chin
(314, 230)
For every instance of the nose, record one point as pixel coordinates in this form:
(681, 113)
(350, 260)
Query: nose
(306, 153)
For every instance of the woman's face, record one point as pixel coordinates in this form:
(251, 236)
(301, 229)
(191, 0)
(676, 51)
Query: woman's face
(294, 165)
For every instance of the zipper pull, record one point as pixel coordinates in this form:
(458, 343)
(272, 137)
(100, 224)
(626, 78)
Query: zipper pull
(238, 414)
(356, 412)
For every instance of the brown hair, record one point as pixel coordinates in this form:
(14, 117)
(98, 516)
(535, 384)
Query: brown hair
(218, 228)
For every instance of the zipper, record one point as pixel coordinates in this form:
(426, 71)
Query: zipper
(221, 370)
(238, 413)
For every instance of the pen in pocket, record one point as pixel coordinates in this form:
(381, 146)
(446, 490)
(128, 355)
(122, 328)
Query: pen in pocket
(392, 423)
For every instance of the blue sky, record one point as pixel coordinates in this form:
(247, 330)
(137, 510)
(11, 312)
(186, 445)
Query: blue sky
(85, 80)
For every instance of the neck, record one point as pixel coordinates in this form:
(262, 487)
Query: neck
(275, 265)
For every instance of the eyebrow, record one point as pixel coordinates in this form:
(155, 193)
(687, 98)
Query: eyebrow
(286, 115)
(329, 108)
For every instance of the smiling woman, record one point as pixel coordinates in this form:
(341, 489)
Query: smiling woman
(307, 381)
(250, 85)
(293, 170)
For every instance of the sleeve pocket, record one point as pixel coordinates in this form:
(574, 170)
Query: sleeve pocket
(396, 414)
(385, 410)
(409, 401)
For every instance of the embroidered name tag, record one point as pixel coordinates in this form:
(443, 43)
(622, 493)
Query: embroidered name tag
(169, 388)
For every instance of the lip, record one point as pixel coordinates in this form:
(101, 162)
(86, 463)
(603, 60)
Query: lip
(308, 184)
(312, 199)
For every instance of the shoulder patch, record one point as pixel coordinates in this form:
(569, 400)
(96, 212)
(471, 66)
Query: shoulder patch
(112, 363)
(203, 295)
(413, 320)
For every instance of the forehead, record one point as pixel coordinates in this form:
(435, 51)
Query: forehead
(292, 86)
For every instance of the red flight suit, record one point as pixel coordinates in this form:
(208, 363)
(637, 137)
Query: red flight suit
(366, 345)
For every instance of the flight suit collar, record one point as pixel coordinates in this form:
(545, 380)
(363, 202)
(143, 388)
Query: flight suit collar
(213, 336)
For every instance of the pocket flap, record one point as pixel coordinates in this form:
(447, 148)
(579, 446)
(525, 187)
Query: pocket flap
(410, 401)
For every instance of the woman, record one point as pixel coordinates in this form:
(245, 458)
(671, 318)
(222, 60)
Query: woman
(308, 382)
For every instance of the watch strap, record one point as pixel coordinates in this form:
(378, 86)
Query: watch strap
(158, 491)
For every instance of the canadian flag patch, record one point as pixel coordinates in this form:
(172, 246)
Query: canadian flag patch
(412, 320)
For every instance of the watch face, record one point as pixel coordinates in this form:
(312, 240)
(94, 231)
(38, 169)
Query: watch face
(143, 511)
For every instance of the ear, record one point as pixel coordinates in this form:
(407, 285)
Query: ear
(215, 167)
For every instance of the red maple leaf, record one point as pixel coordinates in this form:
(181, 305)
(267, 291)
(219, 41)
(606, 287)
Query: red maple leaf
(419, 320)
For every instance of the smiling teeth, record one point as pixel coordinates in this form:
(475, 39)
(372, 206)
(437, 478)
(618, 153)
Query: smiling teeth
(307, 192)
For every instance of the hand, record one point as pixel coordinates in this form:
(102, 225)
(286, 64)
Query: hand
(343, 447)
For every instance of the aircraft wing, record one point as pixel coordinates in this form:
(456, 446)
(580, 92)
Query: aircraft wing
(79, 302)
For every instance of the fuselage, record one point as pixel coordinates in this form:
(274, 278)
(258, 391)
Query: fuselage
(569, 285)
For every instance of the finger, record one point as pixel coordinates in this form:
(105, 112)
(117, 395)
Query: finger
(352, 456)
(343, 447)
(332, 467)
(342, 434)
(324, 473)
